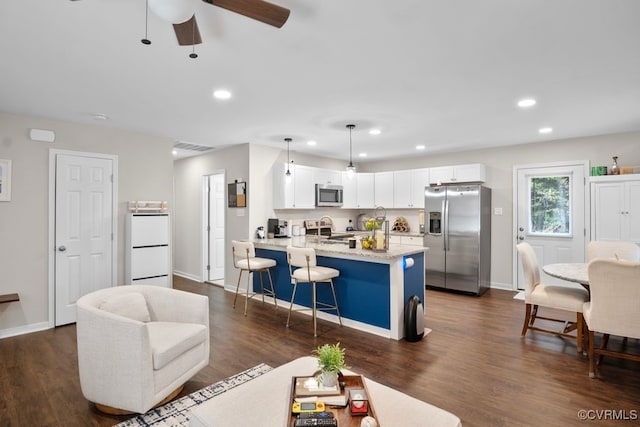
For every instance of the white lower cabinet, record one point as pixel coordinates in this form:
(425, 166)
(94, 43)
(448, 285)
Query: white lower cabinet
(396, 239)
(615, 208)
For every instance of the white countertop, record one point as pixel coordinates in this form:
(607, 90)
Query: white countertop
(338, 249)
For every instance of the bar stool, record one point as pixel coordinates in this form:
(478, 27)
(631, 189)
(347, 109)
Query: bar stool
(308, 271)
(244, 258)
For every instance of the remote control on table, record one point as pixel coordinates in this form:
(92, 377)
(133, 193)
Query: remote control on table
(316, 422)
(316, 415)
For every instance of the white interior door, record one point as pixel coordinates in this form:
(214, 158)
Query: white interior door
(550, 214)
(216, 227)
(83, 230)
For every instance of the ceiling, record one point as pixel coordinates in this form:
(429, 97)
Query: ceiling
(444, 74)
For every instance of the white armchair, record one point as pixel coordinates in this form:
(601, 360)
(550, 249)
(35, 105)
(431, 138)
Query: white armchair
(138, 345)
(614, 308)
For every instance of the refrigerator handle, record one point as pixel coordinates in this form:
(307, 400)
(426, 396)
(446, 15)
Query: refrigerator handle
(445, 211)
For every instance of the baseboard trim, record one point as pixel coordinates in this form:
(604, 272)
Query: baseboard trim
(503, 286)
(187, 276)
(26, 329)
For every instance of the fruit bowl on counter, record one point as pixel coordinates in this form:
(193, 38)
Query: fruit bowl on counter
(368, 242)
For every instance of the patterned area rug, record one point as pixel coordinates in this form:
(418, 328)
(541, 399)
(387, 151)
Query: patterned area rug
(176, 412)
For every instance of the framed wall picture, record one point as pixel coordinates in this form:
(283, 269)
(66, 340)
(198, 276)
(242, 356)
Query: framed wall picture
(5, 180)
(237, 194)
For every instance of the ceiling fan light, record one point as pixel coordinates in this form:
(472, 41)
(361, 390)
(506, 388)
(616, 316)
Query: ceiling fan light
(173, 11)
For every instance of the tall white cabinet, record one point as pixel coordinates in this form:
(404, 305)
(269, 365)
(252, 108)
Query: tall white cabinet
(148, 254)
(615, 207)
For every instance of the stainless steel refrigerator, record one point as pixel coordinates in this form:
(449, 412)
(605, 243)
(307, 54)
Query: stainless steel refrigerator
(458, 234)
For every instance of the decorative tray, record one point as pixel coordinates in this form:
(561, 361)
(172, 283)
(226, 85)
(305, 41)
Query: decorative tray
(341, 413)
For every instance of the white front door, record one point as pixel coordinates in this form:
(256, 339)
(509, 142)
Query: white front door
(83, 230)
(550, 214)
(216, 227)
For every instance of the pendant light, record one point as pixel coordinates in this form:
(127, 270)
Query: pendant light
(351, 169)
(288, 172)
(145, 40)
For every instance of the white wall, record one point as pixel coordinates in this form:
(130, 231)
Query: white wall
(145, 166)
(188, 231)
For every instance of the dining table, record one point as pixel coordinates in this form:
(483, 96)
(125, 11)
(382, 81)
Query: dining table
(577, 272)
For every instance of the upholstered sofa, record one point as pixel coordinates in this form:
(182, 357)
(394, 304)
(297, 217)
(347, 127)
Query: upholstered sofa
(138, 345)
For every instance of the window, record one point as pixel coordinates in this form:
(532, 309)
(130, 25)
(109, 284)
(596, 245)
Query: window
(550, 205)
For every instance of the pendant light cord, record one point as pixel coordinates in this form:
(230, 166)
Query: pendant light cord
(145, 40)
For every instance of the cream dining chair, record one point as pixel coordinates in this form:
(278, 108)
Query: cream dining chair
(614, 308)
(613, 249)
(303, 268)
(244, 259)
(536, 294)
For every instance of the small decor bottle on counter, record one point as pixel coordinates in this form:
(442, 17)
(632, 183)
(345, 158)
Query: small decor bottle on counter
(615, 170)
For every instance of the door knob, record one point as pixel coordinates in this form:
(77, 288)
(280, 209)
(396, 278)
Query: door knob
(62, 248)
(521, 229)
(520, 237)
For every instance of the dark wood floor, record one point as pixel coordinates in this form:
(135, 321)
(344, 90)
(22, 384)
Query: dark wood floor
(473, 364)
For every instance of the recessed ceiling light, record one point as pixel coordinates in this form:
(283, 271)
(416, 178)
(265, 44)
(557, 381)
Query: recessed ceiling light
(362, 155)
(545, 130)
(420, 147)
(222, 94)
(374, 132)
(174, 152)
(312, 142)
(527, 102)
(99, 116)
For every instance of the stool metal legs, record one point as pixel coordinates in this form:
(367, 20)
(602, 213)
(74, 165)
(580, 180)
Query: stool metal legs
(271, 292)
(315, 305)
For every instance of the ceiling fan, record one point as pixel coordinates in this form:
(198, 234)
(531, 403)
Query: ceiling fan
(187, 32)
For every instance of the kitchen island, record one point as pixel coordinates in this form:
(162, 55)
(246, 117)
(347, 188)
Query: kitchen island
(372, 289)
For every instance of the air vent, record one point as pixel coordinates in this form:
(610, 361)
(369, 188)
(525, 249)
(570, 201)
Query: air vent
(191, 147)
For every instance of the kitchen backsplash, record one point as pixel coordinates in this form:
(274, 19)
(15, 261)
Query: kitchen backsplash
(341, 217)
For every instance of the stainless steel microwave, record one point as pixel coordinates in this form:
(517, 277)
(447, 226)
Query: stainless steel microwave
(328, 195)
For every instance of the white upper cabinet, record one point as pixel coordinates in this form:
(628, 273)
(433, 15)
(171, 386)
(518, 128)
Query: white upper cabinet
(615, 208)
(358, 191)
(349, 191)
(383, 189)
(298, 192)
(460, 173)
(327, 176)
(409, 188)
(366, 190)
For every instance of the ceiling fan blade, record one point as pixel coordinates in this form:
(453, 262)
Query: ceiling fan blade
(187, 32)
(259, 10)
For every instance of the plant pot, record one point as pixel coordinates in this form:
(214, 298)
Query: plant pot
(329, 379)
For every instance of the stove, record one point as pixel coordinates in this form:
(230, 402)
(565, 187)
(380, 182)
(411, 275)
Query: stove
(318, 227)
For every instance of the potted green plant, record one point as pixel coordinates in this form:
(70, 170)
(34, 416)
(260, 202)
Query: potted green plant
(330, 361)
